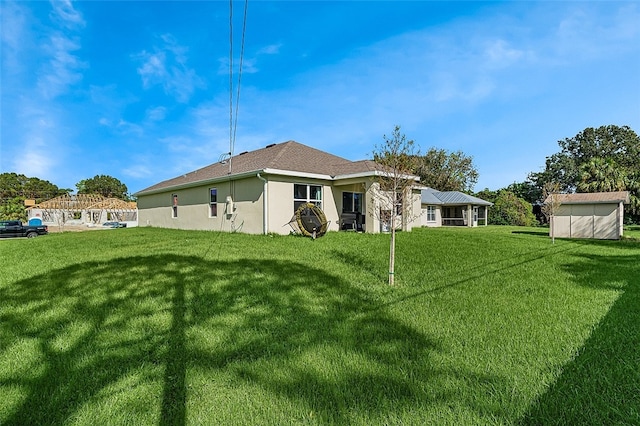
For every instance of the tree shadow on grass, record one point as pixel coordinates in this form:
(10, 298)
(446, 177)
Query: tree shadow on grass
(535, 233)
(601, 386)
(116, 342)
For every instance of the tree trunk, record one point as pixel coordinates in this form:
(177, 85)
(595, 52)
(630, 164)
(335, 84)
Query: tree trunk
(392, 251)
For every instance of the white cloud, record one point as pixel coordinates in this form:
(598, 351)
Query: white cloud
(156, 114)
(40, 151)
(63, 68)
(125, 127)
(64, 13)
(248, 66)
(140, 170)
(500, 54)
(15, 38)
(167, 66)
(272, 49)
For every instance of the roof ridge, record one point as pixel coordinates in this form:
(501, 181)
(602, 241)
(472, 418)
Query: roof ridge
(284, 146)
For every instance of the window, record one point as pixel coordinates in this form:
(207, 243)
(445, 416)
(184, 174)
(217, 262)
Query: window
(213, 202)
(306, 194)
(351, 202)
(399, 203)
(431, 213)
(175, 204)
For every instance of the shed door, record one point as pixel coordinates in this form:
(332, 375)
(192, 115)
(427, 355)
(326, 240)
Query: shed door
(582, 221)
(605, 222)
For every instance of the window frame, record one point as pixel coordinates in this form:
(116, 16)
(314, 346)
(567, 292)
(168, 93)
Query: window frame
(174, 206)
(353, 196)
(431, 213)
(297, 201)
(213, 202)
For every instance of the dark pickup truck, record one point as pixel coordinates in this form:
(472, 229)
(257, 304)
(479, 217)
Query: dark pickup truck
(15, 228)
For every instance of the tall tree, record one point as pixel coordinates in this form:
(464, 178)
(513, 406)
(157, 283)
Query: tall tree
(16, 188)
(526, 190)
(396, 158)
(14, 185)
(447, 171)
(107, 186)
(601, 175)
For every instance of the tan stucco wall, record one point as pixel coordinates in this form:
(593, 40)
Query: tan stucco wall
(193, 208)
(423, 217)
(281, 205)
(247, 216)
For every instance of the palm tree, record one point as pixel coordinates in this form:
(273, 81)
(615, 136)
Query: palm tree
(602, 175)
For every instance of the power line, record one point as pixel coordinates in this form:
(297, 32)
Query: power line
(233, 122)
(244, 30)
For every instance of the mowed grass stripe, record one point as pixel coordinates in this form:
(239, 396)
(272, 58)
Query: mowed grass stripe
(485, 326)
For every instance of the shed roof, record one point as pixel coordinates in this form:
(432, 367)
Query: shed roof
(594, 198)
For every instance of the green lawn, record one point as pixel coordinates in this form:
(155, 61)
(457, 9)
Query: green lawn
(485, 326)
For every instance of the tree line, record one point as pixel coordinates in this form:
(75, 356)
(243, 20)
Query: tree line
(600, 159)
(15, 189)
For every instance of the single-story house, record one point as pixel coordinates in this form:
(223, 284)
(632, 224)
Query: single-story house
(596, 215)
(452, 208)
(258, 192)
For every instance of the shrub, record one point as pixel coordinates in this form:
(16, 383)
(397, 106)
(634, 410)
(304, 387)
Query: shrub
(508, 209)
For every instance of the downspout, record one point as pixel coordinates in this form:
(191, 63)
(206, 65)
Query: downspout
(265, 206)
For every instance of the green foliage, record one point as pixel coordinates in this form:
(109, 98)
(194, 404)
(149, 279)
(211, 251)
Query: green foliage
(509, 209)
(487, 195)
(16, 188)
(105, 185)
(526, 190)
(13, 210)
(13, 186)
(602, 159)
(489, 326)
(447, 171)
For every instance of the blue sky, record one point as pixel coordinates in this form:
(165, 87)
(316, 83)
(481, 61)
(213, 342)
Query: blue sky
(140, 90)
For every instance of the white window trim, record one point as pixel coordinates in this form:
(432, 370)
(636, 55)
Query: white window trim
(431, 210)
(210, 203)
(308, 198)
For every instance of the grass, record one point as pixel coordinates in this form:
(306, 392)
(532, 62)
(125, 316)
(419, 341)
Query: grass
(486, 326)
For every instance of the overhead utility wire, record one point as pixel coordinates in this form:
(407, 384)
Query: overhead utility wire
(244, 30)
(230, 83)
(233, 123)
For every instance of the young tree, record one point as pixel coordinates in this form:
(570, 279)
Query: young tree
(551, 204)
(396, 158)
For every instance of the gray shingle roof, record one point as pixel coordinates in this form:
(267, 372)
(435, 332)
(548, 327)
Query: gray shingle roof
(290, 156)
